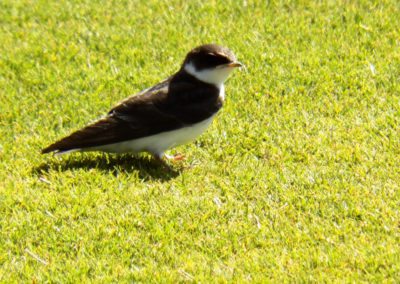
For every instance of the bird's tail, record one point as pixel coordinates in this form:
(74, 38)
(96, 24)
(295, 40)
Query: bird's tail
(99, 133)
(58, 148)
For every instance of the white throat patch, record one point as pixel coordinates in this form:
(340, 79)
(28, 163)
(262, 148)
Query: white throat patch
(211, 76)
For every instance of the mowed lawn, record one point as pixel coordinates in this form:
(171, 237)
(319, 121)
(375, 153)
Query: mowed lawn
(297, 180)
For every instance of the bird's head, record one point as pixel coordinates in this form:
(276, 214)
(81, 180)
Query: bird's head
(210, 63)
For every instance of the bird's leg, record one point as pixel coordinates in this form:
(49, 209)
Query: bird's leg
(175, 158)
(162, 157)
(159, 158)
(179, 157)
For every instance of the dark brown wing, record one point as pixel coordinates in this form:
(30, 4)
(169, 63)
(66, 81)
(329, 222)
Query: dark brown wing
(135, 117)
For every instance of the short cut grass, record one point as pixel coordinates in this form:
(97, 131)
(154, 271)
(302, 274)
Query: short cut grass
(297, 180)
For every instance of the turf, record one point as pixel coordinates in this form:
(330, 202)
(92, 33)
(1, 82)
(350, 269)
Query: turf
(297, 180)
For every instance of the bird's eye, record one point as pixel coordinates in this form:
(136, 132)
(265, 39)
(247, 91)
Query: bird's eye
(216, 59)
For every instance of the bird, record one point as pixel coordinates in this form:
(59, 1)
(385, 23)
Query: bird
(171, 113)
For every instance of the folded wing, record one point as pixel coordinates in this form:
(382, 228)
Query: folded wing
(138, 116)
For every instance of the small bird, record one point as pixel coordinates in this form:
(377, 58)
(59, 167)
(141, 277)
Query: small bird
(171, 113)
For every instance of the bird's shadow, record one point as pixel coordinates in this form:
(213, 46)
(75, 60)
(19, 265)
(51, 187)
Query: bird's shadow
(146, 167)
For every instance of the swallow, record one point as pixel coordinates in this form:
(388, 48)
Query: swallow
(171, 113)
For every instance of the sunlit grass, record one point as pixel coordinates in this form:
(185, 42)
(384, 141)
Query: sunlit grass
(297, 179)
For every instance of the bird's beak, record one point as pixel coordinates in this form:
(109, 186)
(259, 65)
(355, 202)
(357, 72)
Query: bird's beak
(231, 65)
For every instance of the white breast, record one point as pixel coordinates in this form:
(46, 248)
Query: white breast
(157, 144)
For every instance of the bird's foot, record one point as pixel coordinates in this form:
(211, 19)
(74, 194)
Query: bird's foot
(163, 161)
(175, 158)
(164, 158)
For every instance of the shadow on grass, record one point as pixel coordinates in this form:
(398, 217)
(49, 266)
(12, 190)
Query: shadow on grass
(146, 167)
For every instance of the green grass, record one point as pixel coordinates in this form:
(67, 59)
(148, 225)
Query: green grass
(297, 180)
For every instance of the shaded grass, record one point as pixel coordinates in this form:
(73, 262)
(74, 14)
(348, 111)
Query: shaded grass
(297, 179)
